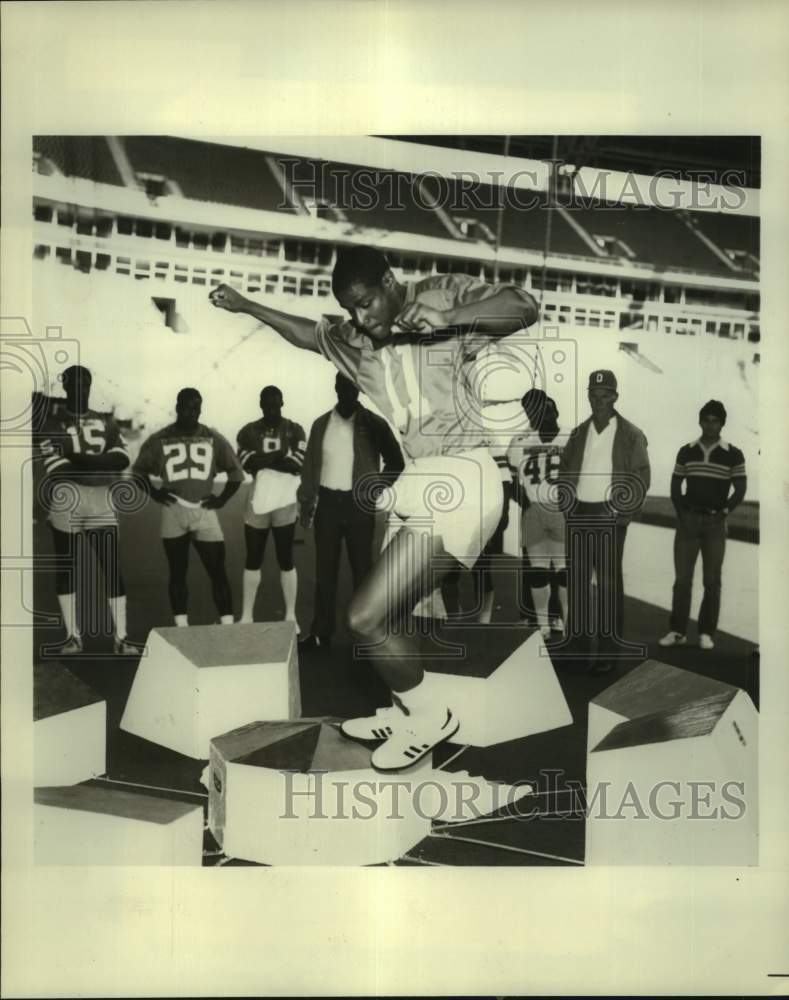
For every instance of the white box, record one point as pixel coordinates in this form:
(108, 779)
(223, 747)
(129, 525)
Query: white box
(195, 683)
(300, 793)
(494, 700)
(69, 728)
(89, 825)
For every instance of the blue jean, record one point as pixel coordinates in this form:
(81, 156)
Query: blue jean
(705, 533)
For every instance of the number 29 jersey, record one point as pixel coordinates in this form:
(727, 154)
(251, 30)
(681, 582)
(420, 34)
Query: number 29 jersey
(187, 464)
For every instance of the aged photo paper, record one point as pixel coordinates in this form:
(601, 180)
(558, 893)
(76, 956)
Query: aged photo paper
(587, 202)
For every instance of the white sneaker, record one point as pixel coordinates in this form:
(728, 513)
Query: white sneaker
(545, 631)
(374, 727)
(413, 740)
(672, 639)
(705, 641)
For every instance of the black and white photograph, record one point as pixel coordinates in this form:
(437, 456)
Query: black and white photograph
(395, 500)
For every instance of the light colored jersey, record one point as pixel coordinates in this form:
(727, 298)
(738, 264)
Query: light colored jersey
(420, 383)
(188, 463)
(536, 464)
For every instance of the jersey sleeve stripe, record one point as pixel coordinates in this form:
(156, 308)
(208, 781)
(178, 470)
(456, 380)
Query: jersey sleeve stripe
(54, 463)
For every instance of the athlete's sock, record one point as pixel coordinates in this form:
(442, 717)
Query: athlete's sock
(118, 608)
(290, 585)
(68, 608)
(250, 585)
(226, 620)
(181, 621)
(541, 596)
(419, 701)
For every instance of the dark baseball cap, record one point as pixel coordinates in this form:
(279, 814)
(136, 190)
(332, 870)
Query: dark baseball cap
(602, 379)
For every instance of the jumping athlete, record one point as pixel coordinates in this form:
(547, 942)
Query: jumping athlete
(408, 347)
(187, 456)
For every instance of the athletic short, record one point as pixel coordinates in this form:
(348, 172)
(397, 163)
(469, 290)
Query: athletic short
(458, 497)
(539, 525)
(77, 507)
(279, 518)
(202, 523)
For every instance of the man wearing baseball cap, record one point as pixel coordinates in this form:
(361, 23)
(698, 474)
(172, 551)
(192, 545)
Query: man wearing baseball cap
(605, 472)
(710, 467)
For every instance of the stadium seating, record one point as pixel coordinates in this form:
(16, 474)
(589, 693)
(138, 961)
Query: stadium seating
(208, 171)
(79, 156)
(655, 236)
(731, 232)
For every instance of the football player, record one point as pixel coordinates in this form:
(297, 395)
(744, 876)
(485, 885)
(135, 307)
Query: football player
(83, 455)
(277, 444)
(534, 458)
(409, 347)
(187, 456)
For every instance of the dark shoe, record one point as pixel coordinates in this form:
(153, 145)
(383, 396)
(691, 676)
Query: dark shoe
(124, 647)
(315, 642)
(601, 667)
(71, 646)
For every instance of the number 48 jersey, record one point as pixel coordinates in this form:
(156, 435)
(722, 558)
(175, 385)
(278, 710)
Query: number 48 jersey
(188, 463)
(535, 463)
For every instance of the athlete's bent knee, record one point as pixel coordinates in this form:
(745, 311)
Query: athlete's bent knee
(361, 620)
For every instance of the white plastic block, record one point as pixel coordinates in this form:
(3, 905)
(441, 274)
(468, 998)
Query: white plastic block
(195, 683)
(69, 729)
(498, 702)
(299, 793)
(677, 787)
(90, 825)
(652, 686)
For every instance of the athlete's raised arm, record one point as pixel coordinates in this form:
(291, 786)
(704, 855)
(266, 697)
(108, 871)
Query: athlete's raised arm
(295, 329)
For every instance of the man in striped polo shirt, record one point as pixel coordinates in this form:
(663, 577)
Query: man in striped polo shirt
(710, 467)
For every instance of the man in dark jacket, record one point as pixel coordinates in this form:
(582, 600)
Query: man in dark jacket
(605, 476)
(341, 479)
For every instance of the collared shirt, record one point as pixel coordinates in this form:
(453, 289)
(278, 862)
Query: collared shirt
(420, 382)
(709, 472)
(594, 481)
(337, 464)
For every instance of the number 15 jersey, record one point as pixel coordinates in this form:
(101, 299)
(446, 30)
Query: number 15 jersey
(188, 463)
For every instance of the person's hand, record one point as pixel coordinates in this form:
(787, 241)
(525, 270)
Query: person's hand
(306, 517)
(419, 317)
(225, 297)
(163, 496)
(212, 502)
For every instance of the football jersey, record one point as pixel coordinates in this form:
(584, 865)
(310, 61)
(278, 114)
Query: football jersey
(536, 464)
(260, 438)
(188, 463)
(419, 382)
(90, 433)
